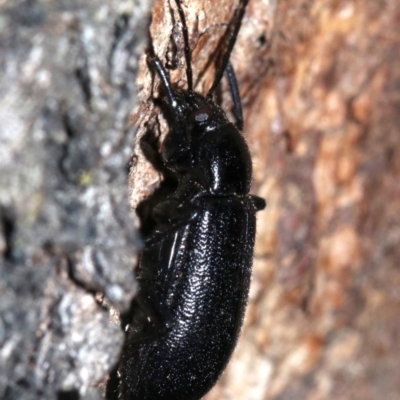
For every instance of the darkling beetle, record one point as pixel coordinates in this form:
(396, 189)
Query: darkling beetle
(195, 269)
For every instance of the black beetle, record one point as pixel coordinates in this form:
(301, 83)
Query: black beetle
(195, 270)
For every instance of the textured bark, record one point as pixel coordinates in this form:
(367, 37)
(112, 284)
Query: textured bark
(320, 83)
(67, 237)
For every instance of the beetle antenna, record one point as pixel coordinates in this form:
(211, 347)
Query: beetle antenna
(189, 73)
(237, 104)
(157, 65)
(230, 39)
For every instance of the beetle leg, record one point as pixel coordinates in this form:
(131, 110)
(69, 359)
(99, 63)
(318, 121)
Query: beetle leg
(171, 215)
(258, 202)
(149, 322)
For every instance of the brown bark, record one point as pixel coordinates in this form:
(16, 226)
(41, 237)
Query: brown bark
(320, 83)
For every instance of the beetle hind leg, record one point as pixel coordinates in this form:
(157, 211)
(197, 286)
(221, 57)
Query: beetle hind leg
(149, 321)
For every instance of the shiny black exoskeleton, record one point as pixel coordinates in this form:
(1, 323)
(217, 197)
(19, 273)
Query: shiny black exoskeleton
(195, 269)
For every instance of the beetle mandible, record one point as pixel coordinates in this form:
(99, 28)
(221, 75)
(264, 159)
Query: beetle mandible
(195, 269)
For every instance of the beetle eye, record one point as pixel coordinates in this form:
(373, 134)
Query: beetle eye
(203, 114)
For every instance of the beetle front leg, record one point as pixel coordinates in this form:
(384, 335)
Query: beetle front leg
(171, 215)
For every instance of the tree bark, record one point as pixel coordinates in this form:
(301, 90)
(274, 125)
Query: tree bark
(68, 241)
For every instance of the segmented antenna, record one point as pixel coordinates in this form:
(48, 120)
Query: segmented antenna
(157, 65)
(230, 39)
(189, 73)
(237, 104)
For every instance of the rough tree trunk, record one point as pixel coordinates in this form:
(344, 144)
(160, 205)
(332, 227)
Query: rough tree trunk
(319, 82)
(67, 237)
